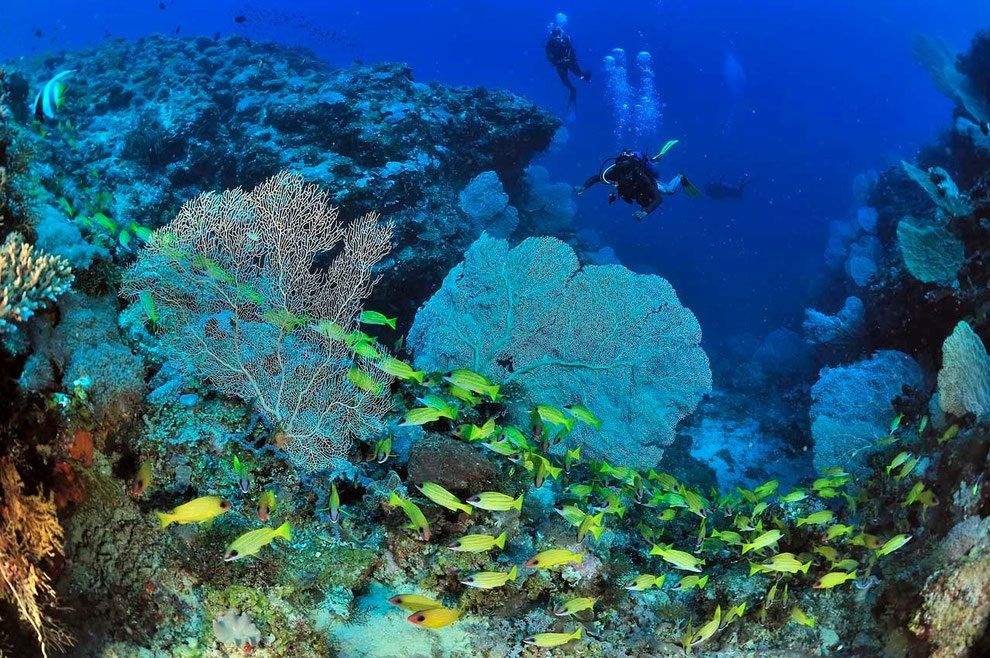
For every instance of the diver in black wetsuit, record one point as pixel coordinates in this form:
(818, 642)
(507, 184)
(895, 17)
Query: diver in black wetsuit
(636, 179)
(560, 53)
(721, 190)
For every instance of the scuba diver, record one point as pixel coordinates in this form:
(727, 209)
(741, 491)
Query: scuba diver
(721, 190)
(560, 53)
(636, 179)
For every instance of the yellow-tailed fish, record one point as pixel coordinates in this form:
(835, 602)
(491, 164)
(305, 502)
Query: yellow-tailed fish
(593, 524)
(695, 503)
(414, 602)
(254, 540)
(493, 501)
(680, 559)
(401, 369)
(894, 424)
(801, 618)
(580, 490)
(573, 514)
(367, 350)
(421, 416)
(781, 563)
(478, 543)
(817, 518)
(473, 382)
(434, 617)
(417, 520)
(365, 382)
(514, 436)
(383, 450)
(148, 303)
(446, 409)
(768, 538)
(847, 564)
(766, 489)
(827, 552)
(794, 496)
(728, 536)
(898, 459)
(834, 578)
(334, 503)
(571, 457)
(893, 544)
(733, 613)
(708, 630)
(464, 395)
(472, 433)
(668, 514)
(760, 508)
(554, 557)
(542, 468)
(501, 447)
(490, 579)
(444, 498)
(948, 434)
(374, 317)
(554, 416)
(243, 472)
(330, 330)
(266, 505)
(584, 414)
(199, 510)
(866, 539)
(906, 468)
(838, 530)
(143, 479)
(574, 606)
(687, 583)
(546, 640)
(645, 581)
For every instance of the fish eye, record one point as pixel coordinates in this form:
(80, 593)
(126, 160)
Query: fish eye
(232, 554)
(420, 617)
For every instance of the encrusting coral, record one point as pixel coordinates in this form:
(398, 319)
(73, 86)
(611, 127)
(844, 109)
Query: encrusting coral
(29, 280)
(244, 293)
(30, 534)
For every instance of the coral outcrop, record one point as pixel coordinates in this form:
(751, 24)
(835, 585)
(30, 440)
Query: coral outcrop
(29, 280)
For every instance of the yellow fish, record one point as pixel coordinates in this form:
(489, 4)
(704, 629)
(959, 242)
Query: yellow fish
(838, 530)
(143, 480)
(472, 381)
(687, 583)
(782, 563)
(794, 496)
(374, 317)
(478, 543)
(768, 538)
(646, 581)
(679, 559)
(444, 498)
(546, 640)
(434, 617)
(584, 414)
(574, 606)
(199, 510)
(833, 578)
(414, 602)
(554, 557)
(494, 501)
(401, 369)
(253, 541)
(818, 518)
(417, 520)
(893, 544)
(801, 618)
(490, 579)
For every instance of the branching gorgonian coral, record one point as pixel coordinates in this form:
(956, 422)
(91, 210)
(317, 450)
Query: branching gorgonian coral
(29, 279)
(29, 534)
(258, 292)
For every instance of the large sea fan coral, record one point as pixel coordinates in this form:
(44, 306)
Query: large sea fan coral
(241, 280)
(618, 342)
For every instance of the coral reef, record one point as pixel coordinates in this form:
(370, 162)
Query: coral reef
(29, 280)
(601, 336)
(244, 301)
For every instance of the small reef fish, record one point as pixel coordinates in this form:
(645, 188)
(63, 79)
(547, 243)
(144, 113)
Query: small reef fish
(834, 578)
(374, 317)
(464, 395)
(501, 447)
(554, 416)
(334, 503)
(899, 459)
(243, 473)
(199, 510)
(794, 496)
(781, 563)
(253, 541)
(838, 530)
(687, 583)
(364, 382)
(645, 581)
(49, 100)
(383, 450)
(472, 381)
(728, 536)
(493, 501)
(593, 524)
(541, 468)
(798, 616)
(574, 606)
(478, 543)
(421, 416)
(414, 602)
(547, 640)
(446, 409)
(708, 630)
(401, 370)
(571, 513)
(490, 579)
(680, 559)
(554, 557)
(444, 498)
(148, 304)
(893, 544)
(143, 480)
(768, 538)
(817, 518)
(434, 617)
(948, 434)
(471, 433)
(266, 505)
(827, 552)
(417, 520)
(367, 350)
(572, 457)
(584, 414)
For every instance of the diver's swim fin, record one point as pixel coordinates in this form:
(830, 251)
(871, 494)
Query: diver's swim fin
(666, 147)
(689, 188)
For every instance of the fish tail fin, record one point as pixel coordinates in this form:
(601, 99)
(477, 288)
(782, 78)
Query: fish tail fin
(284, 531)
(853, 574)
(394, 499)
(165, 519)
(746, 548)
(417, 376)
(391, 322)
(754, 568)
(579, 558)
(467, 509)
(568, 424)
(500, 540)
(576, 635)
(517, 503)
(702, 582)
(596, 531)
(513, 572)
(804, 567)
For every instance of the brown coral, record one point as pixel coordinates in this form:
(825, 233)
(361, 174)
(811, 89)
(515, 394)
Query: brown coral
(29, 535)
(29, 279)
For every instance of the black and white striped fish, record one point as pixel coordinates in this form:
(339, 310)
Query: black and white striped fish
(50, 98)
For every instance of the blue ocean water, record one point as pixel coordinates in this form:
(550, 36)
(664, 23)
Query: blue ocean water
(827, 90)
